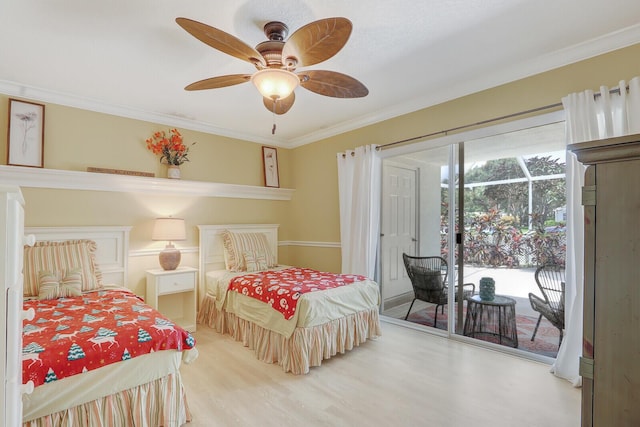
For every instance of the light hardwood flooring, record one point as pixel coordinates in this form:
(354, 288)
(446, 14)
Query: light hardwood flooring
(400, 311)
(404, 378)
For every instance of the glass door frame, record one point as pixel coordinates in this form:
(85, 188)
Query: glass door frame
(456, 157)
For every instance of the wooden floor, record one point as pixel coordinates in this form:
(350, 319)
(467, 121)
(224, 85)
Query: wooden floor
(405, 378)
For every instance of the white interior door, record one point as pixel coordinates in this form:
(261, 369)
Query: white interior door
(399, 232)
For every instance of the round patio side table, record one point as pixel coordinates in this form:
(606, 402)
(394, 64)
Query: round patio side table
(492, 320)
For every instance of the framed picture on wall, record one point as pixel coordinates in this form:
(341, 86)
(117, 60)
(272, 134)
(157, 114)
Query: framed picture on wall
(25, 142)
(270, 164)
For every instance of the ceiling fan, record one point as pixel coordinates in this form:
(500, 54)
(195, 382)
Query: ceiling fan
(277, 59)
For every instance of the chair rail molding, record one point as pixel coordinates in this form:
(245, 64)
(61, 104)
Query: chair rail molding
(310, 244)
(77, 180)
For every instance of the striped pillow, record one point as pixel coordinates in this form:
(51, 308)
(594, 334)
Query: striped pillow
(236, 243)
(61, 256)
(60, 284)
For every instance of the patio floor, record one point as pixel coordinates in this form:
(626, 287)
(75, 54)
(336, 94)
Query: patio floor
(515, 283)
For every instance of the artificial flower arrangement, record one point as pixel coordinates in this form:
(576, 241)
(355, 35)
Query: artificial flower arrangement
(170, 147)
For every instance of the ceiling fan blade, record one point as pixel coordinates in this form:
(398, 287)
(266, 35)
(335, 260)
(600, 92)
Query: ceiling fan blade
(330, 83)
(317, 41)
(222, 41)
(218, 82)
(282, 105)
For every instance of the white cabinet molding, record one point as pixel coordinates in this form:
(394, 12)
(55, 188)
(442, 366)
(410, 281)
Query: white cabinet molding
(75, 180)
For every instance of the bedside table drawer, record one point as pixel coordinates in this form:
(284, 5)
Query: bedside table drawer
(175, 283)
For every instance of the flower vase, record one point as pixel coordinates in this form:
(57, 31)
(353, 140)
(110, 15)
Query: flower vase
(173, 172)
(487, 289)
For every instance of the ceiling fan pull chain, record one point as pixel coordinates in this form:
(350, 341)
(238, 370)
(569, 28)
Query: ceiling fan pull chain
(273, 112)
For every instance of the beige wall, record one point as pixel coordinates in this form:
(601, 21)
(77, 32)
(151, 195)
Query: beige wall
(45, 207)
(76, 139)
(315, 212)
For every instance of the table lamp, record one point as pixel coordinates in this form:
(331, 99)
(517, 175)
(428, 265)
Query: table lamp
(171, 230)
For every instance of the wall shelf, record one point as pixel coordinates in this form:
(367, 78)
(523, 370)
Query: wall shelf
(75, 180)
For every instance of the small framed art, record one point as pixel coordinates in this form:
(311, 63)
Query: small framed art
(25, 142)
(270, 164)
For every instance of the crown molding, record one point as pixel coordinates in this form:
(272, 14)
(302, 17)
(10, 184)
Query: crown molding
(585, 50)
(75, 180)
(11, 88)
(582, 51)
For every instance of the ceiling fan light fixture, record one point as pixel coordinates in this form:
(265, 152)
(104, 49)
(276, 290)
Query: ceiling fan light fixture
(275, 83)
(277, 59)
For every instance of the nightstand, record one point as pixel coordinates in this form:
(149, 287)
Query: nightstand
(173, 293)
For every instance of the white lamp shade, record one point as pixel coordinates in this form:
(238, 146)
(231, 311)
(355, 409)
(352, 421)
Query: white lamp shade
(169, 229)
(275, 83)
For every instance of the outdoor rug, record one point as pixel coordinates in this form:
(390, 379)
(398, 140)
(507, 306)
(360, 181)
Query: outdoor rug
(546, 342)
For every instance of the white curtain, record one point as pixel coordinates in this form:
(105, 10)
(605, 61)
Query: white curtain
(587, 118)
(359, 181)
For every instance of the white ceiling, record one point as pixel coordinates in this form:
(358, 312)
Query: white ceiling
(130, 58)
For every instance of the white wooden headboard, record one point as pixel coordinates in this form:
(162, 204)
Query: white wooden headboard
(212, 249)
(112, 242)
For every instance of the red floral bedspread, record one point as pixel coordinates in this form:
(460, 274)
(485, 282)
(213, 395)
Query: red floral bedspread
(281, 289)
(69, 336)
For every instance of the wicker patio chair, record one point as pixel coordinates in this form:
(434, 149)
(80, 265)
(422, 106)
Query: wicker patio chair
(550, 280)
(429, 280)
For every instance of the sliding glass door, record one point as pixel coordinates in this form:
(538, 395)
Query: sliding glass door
(485, 212)
(415, 249)
(514, 221)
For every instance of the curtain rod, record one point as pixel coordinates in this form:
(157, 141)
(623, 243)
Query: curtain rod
(484, 122)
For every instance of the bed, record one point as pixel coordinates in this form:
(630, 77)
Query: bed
(96, 353)
(323, 322)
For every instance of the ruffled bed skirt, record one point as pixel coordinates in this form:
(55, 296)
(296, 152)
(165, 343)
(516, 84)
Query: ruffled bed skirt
(162, 402)
(306, 347)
